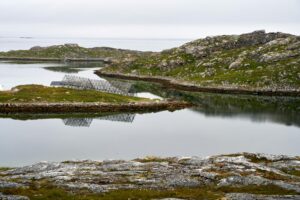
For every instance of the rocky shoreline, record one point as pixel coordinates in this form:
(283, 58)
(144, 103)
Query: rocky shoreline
(258, 63)
(237, 176)
(172, 83)
(91, 107)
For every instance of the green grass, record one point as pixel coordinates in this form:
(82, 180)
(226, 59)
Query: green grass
(261, 189)
(272, 176)
(38, 93)
(293, 171)
(50, 192)
(4, 169)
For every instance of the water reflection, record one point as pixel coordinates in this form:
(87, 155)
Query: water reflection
(218, 124)
(74, 119)
(86, 122)
(74, 67)
(283, 110)
(81, 122)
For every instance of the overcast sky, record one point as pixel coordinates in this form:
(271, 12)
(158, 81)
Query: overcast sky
(146, 18)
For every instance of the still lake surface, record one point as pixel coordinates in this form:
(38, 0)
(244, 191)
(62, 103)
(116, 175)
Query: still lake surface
(219, 124)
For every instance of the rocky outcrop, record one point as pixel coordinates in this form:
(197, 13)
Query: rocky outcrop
(71, 53)
(252, 61)
(12, 197)
(241, 196)
(204, 47)
(237, 170)
(275, 56)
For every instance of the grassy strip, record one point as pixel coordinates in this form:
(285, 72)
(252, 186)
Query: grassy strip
(258, 189)
(38, 93)
(48, 191)
(294, 171)
(2, 169)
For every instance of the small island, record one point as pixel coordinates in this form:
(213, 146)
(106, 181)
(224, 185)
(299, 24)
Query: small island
(253, 63)
(42, 99)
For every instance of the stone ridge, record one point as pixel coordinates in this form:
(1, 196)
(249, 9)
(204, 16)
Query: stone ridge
(236, 170)
(71, 53)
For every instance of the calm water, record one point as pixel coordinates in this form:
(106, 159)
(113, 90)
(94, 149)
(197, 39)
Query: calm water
(218, 124)
(12, 74)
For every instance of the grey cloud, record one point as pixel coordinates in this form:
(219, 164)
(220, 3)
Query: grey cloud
(149, 11)
(118, 18)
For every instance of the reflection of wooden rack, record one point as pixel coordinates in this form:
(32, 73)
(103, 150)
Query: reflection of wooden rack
(86, 122)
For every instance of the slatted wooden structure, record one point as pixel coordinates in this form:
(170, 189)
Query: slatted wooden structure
(114, 87)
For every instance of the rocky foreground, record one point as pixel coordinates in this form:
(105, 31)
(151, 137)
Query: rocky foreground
(237, 176)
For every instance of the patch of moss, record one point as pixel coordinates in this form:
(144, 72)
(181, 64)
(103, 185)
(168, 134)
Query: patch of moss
(2, 169)
(258, 189)
(50, 192)
(253, 158)
(292, 171)
(272, 175)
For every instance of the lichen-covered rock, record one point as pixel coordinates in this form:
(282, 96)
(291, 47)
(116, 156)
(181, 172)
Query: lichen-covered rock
(236, 64)
(161, 173)
(8, 184)
(275, 56)
(241, 196)
(12, 197)
(294, 46)
(279, 41)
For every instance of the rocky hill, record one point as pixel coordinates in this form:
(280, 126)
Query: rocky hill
(257, 60)
(74, 51)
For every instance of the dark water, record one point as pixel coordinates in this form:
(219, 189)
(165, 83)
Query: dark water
(218, 124)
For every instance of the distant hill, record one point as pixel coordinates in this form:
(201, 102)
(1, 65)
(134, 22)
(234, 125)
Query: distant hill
(71, 51)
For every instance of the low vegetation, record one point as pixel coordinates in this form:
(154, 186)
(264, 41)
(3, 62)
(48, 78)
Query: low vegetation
(71, 51)
(50, 192)
(250, 61)
(4, 168)
(39, 94)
